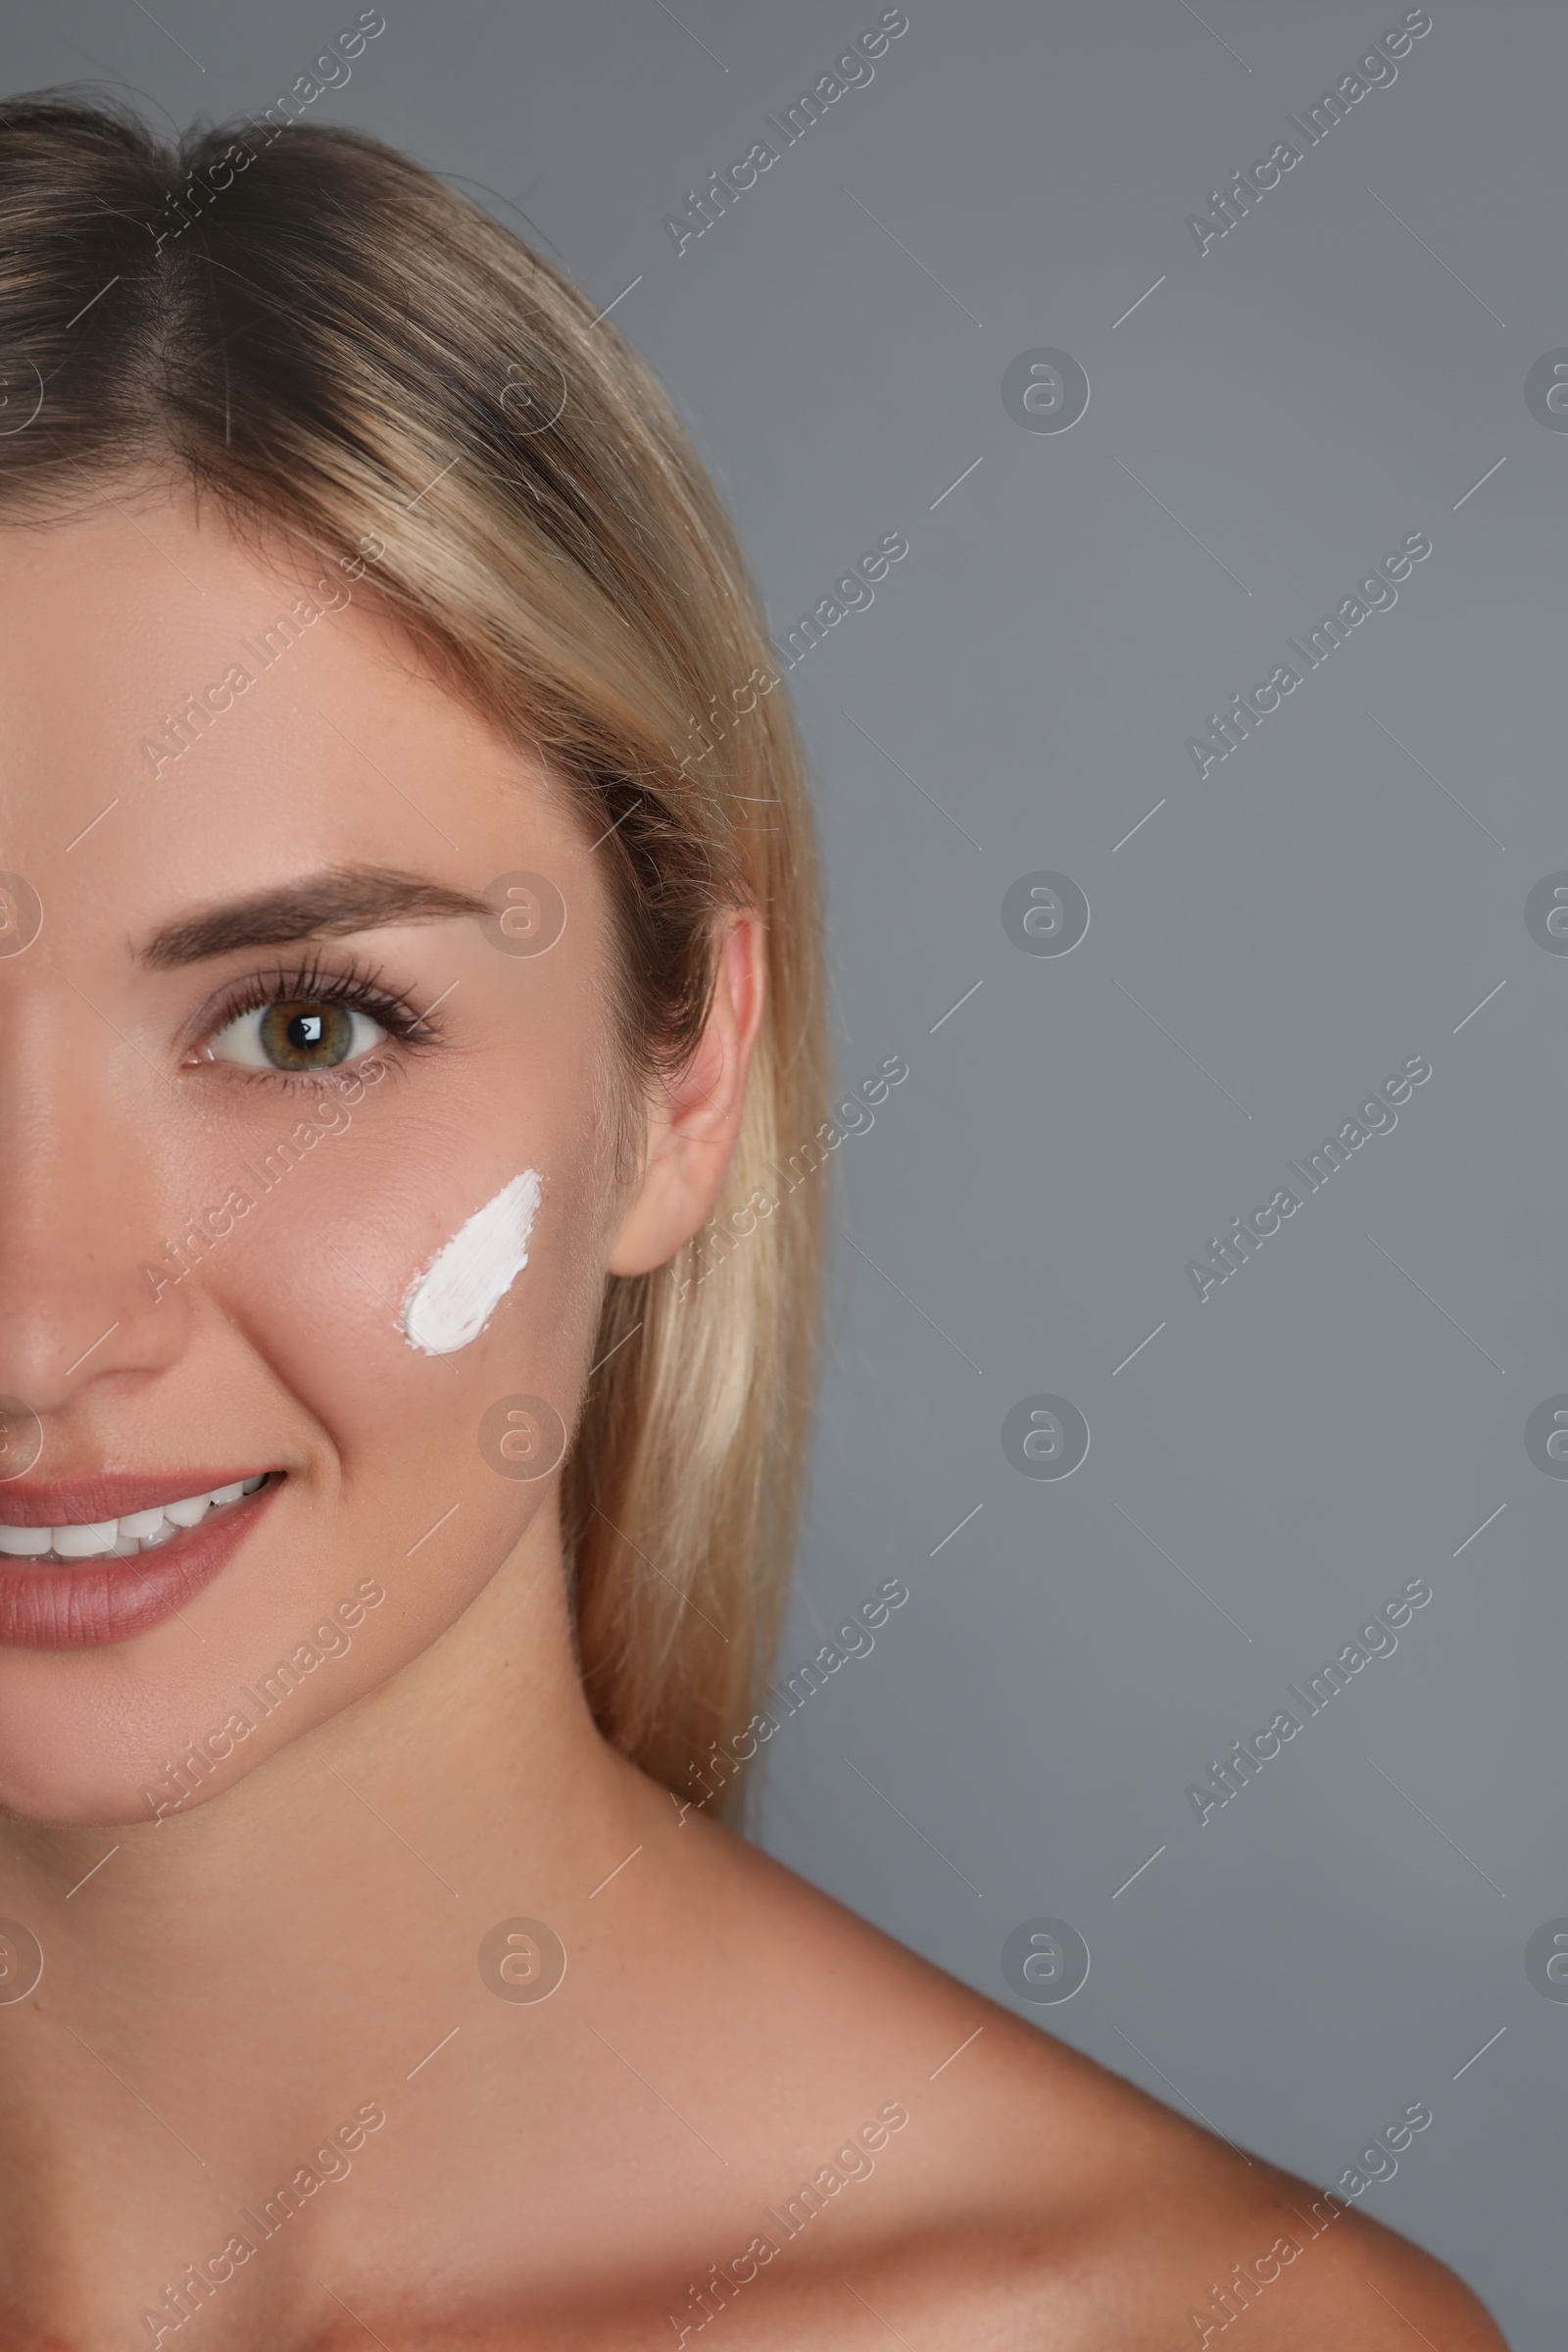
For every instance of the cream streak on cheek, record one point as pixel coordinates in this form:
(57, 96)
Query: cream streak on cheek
(454, 1298)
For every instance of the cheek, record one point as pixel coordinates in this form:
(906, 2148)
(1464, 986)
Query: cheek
(451, 1301)
(395, 1312)
(327, 1280)
(422, 1471)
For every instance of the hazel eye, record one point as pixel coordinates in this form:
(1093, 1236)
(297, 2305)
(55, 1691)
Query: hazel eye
(298, 1035)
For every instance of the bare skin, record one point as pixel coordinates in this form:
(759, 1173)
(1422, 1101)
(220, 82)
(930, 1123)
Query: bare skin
(296, 1945)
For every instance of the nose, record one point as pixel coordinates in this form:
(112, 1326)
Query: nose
(84, 1140)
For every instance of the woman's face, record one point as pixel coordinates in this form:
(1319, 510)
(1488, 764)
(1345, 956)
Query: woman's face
(258, 1036)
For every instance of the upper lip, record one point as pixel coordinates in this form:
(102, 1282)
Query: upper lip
(106, 1495)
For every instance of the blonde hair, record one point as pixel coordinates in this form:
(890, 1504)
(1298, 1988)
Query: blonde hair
(319, 334)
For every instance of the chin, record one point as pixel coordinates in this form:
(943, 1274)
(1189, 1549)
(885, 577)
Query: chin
(78, 1793)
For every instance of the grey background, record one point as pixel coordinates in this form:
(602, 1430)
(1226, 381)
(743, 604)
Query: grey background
(1342, 1416)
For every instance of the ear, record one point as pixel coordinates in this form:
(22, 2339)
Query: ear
(692, 1130)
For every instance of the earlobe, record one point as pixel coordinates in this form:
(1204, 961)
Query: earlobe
(693, 1132)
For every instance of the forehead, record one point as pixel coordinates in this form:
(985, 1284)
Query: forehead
(181, 708)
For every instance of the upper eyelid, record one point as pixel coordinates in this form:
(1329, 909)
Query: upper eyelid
(250, 992)
(308, 976)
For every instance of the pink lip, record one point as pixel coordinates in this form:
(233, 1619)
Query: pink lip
(97, 1601)
(102, 1494)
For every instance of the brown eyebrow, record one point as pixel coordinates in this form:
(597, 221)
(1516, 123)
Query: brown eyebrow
(324, 906)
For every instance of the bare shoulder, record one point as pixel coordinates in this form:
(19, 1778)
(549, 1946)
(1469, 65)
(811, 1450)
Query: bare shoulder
(1000, 2181)
(1085, 2214)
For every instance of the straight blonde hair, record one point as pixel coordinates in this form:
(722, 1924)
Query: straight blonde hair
(329, 342)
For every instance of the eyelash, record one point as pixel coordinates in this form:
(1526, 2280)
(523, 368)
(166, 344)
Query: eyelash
(352, 983)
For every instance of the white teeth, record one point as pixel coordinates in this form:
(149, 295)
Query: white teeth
(119, 1538)
(86, 1542)
(142, 1523)
(186, 1513)
(22, 1542)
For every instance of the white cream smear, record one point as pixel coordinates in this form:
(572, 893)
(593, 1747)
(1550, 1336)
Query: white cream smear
(454, 1298)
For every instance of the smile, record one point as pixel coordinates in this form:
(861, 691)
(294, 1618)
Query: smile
(122, 1539)
(107, 1556)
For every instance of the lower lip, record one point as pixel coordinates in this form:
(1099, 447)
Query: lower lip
(109, 1600)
